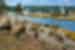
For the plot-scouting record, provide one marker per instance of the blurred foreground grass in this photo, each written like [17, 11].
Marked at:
[11, 43]
[28, 43]
[7, 42]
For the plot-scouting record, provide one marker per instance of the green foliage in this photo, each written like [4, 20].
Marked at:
[2, 6]
[34, 29]
[18, 8]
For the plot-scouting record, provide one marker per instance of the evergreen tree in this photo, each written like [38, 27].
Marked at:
[2, 7]
[56, 12]
[18, 9]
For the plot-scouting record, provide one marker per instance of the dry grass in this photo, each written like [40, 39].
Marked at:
[29, 43]
[11, 43]
[70, 18]
[6, 42]
[70, 33]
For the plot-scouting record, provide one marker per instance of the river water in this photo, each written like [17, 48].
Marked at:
[67, 25]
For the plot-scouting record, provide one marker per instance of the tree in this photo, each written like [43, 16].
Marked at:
[2, 7]
[18, 9]
[67, 12]
[56, 12]
[45, 9]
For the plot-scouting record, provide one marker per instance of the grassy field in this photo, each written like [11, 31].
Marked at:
[69, 18]
[8, 42]
[11, 43]
[70, 34]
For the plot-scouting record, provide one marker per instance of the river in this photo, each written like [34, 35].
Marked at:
[67, 25]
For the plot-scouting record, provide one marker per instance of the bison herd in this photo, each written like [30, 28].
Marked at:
[41, 33]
